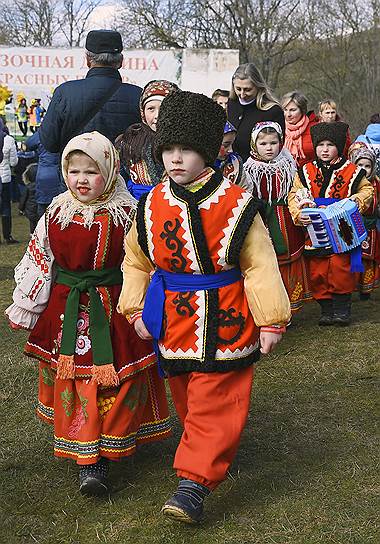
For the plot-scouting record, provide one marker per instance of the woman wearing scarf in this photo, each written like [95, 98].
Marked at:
[271, 170]
[298, 124]
[98, 382]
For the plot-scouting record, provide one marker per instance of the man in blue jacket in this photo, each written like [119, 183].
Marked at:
[99, 102]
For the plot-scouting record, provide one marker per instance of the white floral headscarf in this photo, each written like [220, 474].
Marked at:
[115, 197]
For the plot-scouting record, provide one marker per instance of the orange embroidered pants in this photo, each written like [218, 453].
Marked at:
[331, 275]
[213, 409]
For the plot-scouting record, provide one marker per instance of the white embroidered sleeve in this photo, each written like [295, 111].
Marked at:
[34, 276]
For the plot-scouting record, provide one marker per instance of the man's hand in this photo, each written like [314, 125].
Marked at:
[141, 330]
[268, 341]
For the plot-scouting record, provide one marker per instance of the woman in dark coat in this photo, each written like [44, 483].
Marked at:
[250, 102]
[48, 180]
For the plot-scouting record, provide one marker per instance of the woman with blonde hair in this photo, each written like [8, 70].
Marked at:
[298, 123]
[251, 101]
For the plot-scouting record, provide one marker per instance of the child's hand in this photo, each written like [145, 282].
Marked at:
[268, 341]
[141, 330]
[304, 220]
[16, 327]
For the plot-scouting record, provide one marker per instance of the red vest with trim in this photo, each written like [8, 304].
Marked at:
[201, 233]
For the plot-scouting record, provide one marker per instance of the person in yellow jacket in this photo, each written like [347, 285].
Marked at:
[215, 300]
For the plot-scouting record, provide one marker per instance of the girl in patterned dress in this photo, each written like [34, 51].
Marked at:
[98, 382]
[270, 170]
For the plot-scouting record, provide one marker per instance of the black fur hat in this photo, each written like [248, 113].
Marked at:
[334, 132]
[192, 120]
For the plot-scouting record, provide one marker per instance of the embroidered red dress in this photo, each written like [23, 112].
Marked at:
[289, 242]
[89, 421]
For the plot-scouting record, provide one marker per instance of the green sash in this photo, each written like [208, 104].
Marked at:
[274, 227]
[86, 282]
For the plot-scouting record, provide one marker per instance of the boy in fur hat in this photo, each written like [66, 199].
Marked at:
[216, 282]
[330, 178]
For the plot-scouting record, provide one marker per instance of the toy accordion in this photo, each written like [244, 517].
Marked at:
[339, 226]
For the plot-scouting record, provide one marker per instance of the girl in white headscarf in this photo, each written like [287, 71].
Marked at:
[270, 170]
[98, 382]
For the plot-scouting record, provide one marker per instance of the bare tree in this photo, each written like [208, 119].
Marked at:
[31, 23]
[263, 30]
[75, 18]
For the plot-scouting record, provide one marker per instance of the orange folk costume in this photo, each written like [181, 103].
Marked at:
[210, 337]
[330, 273]
[93, 418]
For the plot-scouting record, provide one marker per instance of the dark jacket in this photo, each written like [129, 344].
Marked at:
[244, 119]
[48, 180]
[28, 203]
[75, 102]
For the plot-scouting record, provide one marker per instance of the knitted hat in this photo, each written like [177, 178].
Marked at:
[359, 150]
[157, 89]
[192, 120]
[334, 132]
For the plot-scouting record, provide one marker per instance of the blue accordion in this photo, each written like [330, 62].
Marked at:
[339, 226]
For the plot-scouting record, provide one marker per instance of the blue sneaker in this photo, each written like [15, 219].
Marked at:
[186, 504]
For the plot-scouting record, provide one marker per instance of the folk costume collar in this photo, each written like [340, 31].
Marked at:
[208, 181]
[280, 170]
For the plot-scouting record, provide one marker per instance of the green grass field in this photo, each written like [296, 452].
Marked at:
[307, 470]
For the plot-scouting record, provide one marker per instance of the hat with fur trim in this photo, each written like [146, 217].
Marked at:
[334, 132]
[192, 120]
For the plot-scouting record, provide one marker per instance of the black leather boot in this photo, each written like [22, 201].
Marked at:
[6, 223]
[342, 309]
[326, 318]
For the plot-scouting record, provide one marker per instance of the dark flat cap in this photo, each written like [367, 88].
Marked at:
[104, 41]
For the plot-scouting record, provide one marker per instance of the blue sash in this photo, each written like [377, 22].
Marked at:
[137, 190]
[356, 253]
[162, 280]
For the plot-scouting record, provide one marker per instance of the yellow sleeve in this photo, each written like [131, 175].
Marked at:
[136, 275]
[293, 208]
[364, 195]
[266, 294]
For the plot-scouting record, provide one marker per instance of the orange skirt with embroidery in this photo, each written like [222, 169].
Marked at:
[296, 281]
[370, 278]
[90, 422]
